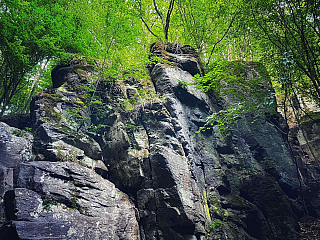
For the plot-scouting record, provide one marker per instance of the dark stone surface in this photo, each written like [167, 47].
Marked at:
[14, 149]
[221, 166]
[20, 121]
[305, 141]
[102, 171]
[68, 73]
[6, 184]
[68, 201]
[61, 74]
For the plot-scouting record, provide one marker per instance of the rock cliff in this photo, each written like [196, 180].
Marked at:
[107, 161]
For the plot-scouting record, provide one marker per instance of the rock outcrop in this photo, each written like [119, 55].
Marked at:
[122, 160]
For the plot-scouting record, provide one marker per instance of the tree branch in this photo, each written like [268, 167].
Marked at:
[166, 27]
[158, 12]
[224, 35]
[149, 29]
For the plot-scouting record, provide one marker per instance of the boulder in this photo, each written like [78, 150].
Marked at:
[68, 201]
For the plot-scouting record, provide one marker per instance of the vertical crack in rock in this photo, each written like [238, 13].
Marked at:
[9, 205]
[150, 173]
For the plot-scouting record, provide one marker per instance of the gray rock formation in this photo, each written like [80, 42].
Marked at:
[96, 169]
[73, 200]
[15, 148]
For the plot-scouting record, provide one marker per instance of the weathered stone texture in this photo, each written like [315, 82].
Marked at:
[95, 170]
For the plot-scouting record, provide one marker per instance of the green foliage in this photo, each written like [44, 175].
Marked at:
[116, 35]
[74, 204]
[47, 203]
[221, 76]
[182, 84]
[273, 29]
[131, 127]
[21, 133]
[100, 127]
[216, 224]
[28, 129]
[76, 115]
[43, 119]
[223, 120]
[204, 22]
[59, 30]
[17, 132]
[31, 31]
[229, 80]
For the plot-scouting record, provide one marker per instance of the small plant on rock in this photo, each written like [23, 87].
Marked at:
[47, 203]
[216, 224]
[17, 132]
[28, 129]
[182, 84]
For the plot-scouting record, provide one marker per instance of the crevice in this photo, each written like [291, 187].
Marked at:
[146, 130]
[8, 232]
[203, 172]
[9, 198]
[151, 178]
[245, 195]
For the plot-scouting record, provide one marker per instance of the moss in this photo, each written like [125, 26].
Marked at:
[62, 88]
[54, 97]
[71, 133]
[309, 119]
[73, 203]
[216, 224]
[78, 101]
[236, 201]
[50, 112]
[64, 128]
[215, 207]
[49, 101]
[83, 67]
[131, 127]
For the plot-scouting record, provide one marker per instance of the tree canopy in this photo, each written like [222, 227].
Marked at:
[36, 34]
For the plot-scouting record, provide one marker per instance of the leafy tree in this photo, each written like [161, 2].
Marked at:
[246, 93]
[118, 33]
[155, 14]
[279, 27]
[32, 30]
[206, 23]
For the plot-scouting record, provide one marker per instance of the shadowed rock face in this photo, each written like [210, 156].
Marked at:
[99, 171]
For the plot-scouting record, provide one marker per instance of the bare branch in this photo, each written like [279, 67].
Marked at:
[149, 29]
[166, 27]
[224, 35]
[158, 12]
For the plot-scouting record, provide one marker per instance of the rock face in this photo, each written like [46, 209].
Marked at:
[73, 200]
[53, 184]
[122, 160]
[305, 141]
[15, 148]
